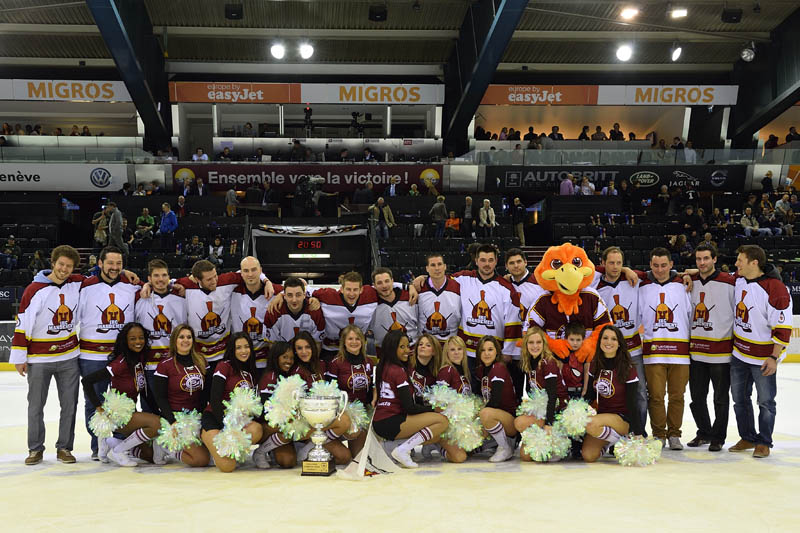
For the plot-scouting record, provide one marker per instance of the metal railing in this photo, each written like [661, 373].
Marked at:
[82, 154]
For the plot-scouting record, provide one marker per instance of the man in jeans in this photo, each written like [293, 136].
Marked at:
[518, 215]
[762, 327]
[45, 345]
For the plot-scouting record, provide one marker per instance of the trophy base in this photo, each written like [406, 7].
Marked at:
[318, 468]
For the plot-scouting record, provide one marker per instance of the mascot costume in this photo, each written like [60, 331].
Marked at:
[566, 272]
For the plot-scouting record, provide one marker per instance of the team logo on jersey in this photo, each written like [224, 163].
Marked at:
[702, 315]
[533, 385]
[481, 313]
[621, 316]
[419, 383]
[664, 316]
[112, 317]
[62, 318]
[395, 324]
[486, 391]
[253, 326]
[742, 316]
[210, 323]
[436, 324]
[246, 382]
[191, 382]
[781, 317]
[465, 388]
[358, 380]
[522, 312]
[139, 378]
[162, 326]
[604, 384]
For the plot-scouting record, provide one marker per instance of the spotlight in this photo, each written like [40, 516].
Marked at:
[676, 51]
[679, 12]
[306, 50]
[624, 52]
[629, 12]
[277, 50]
[748, 53]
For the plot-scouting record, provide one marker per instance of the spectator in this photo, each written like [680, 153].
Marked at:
[782, 206]
[394, 188]
[216, 251]
[514, 135]
[749, 224]
[708, 241]
[269, 196]
[253, 194]
[765, 205]
[769, 221]
[469, 217]
[555, 135]
[100, 223]
[676, 144]
[37, 130]
[167, 227]
[369, 155]
[615, 134]
[625, 195]
[662, 200]
[599, 134]
[567, 186]
[680, 249]
[486, 219]
[180, 209]
[127, 233]
[452, 226]
[788, 222]
[247, 130]
[717, 221]
[344, 155]
[75, 132]
[609, 190]
[584, 136]
[225, 155]
[199, 155]
[690, 222]
[115, 228]
[518, 216]
[3, 141]
[631, 136]
[38, 262]
[139, 190]
[187, 188]
[530, 136]
[413, 190]
[259, 155]
[86, 132]
[92, 268]
[381, 214]
[231, 201]
[365, 195]
[298, 151]
[587, 187]
[503, 134]
[689, 153]
[795, 202]
[438, 214]
[772, 142]
[194, 250]
[752, 204]
[767, 186]
[200, 188]
[793, 135]
[7, 129]
[126, 190]
[145, 221]
[10, 253]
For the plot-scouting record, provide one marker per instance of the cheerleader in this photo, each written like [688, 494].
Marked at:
[126, 372]
[425, 361]
[397, 416]
[454, 370]
[613, 383]
[497, 390]
[353, 372]
[311, 368]
[179, 384]
[542, 371]
[280, 362]
[237, 369]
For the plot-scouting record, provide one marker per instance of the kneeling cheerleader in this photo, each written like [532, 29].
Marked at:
[497, 390]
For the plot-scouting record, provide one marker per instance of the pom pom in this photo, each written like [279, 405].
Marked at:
[324, 388]
[359, 418]
[466, 434]
[118, 407]
[282, 407]
[295, 429]
[534, 405]
[101, 425]
[542, 446]
[233, 443]
[465, 430]
[245, 401]
[181, 434]
[440, 396]
[637, 451]
[573, 419]
[560, 443]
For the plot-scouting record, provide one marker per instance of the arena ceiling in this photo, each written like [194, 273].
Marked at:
[416, 39]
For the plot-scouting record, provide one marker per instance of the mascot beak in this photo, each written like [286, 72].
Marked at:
[568, 277]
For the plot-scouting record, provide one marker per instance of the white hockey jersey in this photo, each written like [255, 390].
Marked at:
[762, 317]
[160, 314]
[339, 313]
[664, 313]
[439, 311]
[283, 325]
[712, 318]
[247, 314]
[394, 315]
[622, 302]
[104, 310]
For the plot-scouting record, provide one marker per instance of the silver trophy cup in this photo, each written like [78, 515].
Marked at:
[319, 412]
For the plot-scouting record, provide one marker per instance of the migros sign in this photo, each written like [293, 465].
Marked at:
[380, 94]
[67, 90]
[674, 95]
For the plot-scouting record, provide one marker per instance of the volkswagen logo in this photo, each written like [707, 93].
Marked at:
[100, 177]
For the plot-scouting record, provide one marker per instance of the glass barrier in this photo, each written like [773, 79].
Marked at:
[55, 154]
[650, 156]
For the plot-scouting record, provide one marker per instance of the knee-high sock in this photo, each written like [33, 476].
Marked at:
[609, 435]
[332, 435]
[134, 439]
[416, 439]
[274, 441]
[499, 435]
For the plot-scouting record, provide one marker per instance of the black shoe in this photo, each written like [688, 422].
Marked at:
[697, 441]
[715, 446]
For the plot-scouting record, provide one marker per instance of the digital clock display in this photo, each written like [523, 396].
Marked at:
[309, 244]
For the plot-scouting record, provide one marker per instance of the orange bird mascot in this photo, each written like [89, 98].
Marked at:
[566, 272]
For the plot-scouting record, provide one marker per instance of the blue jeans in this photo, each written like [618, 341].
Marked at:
[743, 376]
[641, 392]
[90, 367]
[383, 230]
[439, 229]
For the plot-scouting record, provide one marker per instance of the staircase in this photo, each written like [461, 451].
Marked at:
[534, 254]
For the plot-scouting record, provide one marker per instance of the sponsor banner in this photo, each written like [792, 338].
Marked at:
[232, 93]
[684, 95]
[540, 95]
[702, 177]
[64, 90]
[371, 93]
[286, 177]
[62, 177]
[264, 230]
[6, 334]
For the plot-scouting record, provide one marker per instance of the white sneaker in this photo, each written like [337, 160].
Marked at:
[302, 453]
[260, 458]
[675, 443]
[404, 458]
[122, 459]
[102, 450]
[503, 453]
[160, 454]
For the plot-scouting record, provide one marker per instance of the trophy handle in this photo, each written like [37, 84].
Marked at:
[342, 403]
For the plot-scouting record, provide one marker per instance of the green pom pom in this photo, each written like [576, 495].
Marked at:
[118, 407]
[295, 429]
[574, 417]
[465, 430]
[325, 388]
[282, 406]
[534, 405]
[359, 418]
[233, 443]
[637, 451]
[244, 400]
[101, 425]
[181, 434]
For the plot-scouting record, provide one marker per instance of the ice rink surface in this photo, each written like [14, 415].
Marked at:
[690, 490]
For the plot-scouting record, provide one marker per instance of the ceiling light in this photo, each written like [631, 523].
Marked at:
[277, 50]
[624, 52]
[676, 51]
[748, 53]
[679, 12]
[306, 50]
[629, 12]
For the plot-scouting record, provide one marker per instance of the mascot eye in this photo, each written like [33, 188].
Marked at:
[555, 264]
[577, 262]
